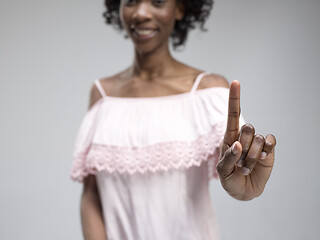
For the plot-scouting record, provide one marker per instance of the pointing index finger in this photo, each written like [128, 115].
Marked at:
[232, 132]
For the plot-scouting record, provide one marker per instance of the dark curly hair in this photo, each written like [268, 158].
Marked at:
[196, 13]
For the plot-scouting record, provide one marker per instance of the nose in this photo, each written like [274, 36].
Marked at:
[142, 11]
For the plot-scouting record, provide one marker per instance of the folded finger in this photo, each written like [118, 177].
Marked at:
[270, 143]
[246, 136]
[253, 154]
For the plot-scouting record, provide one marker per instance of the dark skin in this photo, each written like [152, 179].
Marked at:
[246, 159]
[91, 211]
[154, 73]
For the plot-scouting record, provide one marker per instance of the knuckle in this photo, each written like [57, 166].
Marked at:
[269, 145]
[233, 114]
[271, 138]
[219, 167]
[259, 138]
[247, 128]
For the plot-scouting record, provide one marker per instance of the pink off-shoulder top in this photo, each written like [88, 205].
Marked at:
[153, 158]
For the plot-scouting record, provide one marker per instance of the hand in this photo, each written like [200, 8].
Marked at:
[246, 159]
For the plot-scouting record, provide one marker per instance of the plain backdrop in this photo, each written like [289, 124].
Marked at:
[52, 51]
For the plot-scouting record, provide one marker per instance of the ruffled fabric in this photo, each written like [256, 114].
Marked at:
[135, 135]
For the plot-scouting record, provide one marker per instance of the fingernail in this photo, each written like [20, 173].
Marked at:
[245, 171]
[263, 155]
[239, 163]
[234, 149]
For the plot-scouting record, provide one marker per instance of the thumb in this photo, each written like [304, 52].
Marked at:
[228, 161]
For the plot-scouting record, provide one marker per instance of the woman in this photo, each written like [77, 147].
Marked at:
[154, 130]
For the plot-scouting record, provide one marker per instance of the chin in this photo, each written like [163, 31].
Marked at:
[149, 47]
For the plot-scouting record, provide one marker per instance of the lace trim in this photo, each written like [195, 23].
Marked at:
[161, 156]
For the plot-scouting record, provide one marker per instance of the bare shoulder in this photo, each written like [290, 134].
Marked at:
[107, 84]
[213, 80]
[94, 95]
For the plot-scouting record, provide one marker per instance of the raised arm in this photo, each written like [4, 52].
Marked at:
[247, 158]
[91, 211]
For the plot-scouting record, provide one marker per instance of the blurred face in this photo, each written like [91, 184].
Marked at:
[149, 23]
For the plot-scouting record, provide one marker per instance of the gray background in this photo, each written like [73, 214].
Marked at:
[50, 53]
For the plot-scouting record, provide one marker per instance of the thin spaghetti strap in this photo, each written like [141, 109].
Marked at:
[197, 81]
[98, 85]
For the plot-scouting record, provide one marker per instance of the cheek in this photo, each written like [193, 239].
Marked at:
[167, 18]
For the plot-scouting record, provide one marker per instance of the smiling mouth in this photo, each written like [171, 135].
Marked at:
[144, 33]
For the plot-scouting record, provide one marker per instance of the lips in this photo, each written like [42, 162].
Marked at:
[143, 34]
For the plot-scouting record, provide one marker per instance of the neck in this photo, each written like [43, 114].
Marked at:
[147, 66]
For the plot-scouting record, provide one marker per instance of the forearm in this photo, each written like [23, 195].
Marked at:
[91, 212]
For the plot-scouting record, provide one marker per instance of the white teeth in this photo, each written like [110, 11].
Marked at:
[144, 31]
